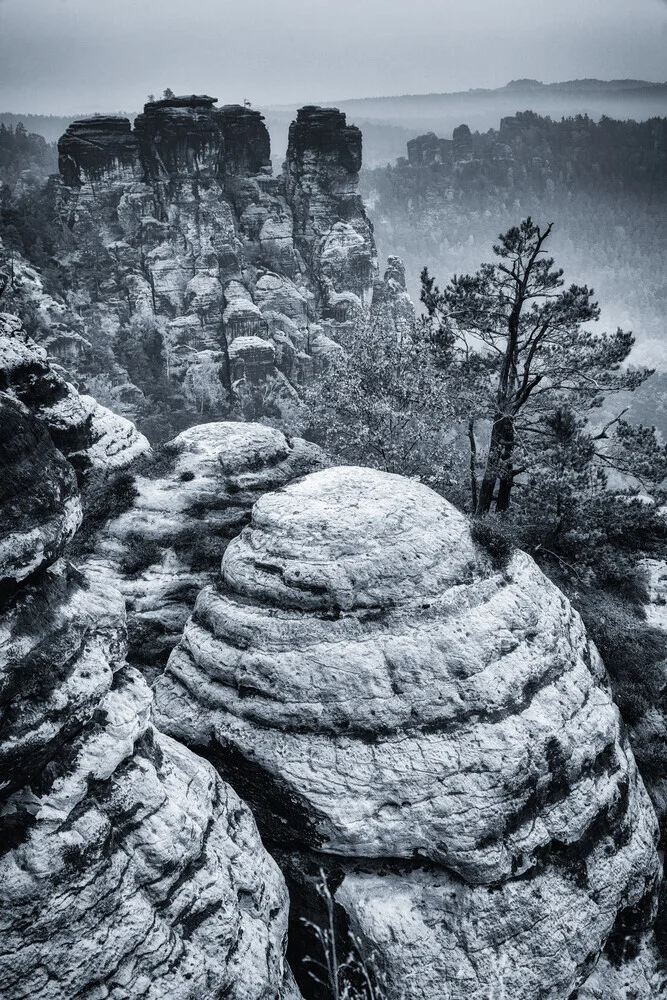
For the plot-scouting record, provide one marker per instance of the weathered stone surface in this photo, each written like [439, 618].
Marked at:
[127, 867]
[200, 245]
[377, 688]
[170, 541]
[331, 229]
[428, 149]
[39, 499]
[436, 936]
[89, 435]
[392, 306]
[92, 148]
[252, 359]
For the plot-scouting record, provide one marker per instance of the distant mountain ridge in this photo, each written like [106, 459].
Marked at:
[388, 122]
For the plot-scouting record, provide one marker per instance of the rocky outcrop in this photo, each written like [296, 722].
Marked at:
[437, 728]
[462, 142]
[39, 498]
[127, 867]
[321, 177]
[96, 148]
[89, 435]
[184, 510]
[392, 306]
[198, 245]
[425, 150]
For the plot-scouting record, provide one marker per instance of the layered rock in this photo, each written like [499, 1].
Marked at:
[436, 727]
[94, 148]
[39, 498]
[185, 509]
[127, 867]
[89, 435]
[195, 244]
[321, 177]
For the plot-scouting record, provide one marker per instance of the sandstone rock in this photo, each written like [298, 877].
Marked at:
[170, 541]
[392, 306]
[462, 143]
[127, 867]
[252, 359]
[183, 215]
[436, 936]
[331, 229]
[89, 435]
[425, 150]
[39, 499]
[95, 147]
[378, 689]
[242, 317]
[278, 294]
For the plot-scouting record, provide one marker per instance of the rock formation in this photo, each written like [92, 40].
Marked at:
[89, 435]
[183, 511]
[128, 868]
[431, 727]
[200, 247]
[425, 150]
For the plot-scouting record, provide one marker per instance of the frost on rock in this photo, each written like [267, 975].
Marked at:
[170, 541]
[128, 868]
[438, 729]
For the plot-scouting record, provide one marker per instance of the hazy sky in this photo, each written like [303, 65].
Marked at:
[67, 56]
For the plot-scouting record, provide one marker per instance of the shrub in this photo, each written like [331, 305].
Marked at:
[104, 498]
[140, 553]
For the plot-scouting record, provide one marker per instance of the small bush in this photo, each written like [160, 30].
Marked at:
[104, 498]
[495, 538]
[140, 554]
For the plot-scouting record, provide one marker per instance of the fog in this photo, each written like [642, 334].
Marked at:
[67, 56]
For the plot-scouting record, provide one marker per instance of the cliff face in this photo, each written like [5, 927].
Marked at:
[435, 730]
[89, 435]
[127, 867]
[198, 249]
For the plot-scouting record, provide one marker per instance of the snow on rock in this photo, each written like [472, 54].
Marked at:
[170, 541]
[39, 499]
[128, 868]
[378, 689]
[88, 434]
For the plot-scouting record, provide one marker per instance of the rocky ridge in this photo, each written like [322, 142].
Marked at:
[128, 868]
[429, 727]
[184, 509]
[201, 253]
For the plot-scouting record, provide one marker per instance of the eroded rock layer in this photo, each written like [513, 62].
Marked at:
[184, 510]
[377, 688]
[199, 245]
[127, 867]
[39, 498]
[89, 435]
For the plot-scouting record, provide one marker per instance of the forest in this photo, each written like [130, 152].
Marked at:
[602, 184]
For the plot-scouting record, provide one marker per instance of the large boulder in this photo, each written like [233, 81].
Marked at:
[183, 510]
[127, 867]
[438, 725]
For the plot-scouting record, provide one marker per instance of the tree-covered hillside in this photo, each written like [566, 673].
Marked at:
[603, 184]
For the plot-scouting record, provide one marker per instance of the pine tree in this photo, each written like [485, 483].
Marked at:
[524, 340]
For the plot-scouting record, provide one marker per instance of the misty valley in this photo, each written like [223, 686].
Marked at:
[333, 548]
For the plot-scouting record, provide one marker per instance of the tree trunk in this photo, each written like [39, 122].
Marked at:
[492, 468]
[474, 489]
[506, 471]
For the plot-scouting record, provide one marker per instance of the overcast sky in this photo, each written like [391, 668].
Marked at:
[67, 56]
